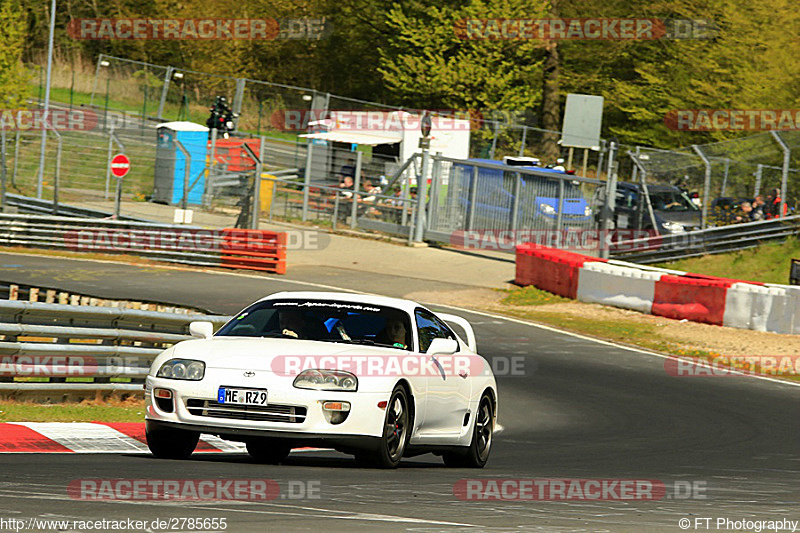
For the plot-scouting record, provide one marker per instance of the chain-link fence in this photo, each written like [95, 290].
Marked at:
[732, 181]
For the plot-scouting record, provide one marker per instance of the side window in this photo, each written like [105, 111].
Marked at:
[429, 328]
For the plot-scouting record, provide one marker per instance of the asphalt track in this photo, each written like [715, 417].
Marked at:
[583, 410]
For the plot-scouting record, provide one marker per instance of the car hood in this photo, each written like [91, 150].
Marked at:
[249, 353]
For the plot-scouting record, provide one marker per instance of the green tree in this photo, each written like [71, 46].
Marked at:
[13, 75]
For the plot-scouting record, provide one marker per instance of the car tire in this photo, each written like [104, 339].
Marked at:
[268, 451]
[171, 443]
[397, 424]
[477, 453]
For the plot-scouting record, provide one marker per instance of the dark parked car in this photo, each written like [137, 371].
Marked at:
[673, 210]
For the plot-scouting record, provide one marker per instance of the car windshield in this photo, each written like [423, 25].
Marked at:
[671, 201]
[322, 320]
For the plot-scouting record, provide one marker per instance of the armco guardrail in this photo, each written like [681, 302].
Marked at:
[54, 347]
[39, 206]
[668, 293]
[708, 241]
[229, 248]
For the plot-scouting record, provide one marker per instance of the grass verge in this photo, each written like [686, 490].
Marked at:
[768, 263]
[129, 410]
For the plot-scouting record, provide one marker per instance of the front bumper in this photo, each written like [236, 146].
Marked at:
[365, 418]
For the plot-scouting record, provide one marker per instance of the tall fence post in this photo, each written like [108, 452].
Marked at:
[515, 202]
[307, 179]
[57, 177]
[473, 194]
[164, 91]
[108, 162]
[16, 153]
[433, 203]
[560, 214]
[524, 138]
[2, 164]
[607, 213]
[237, 102]
[256, 205]
[725, 177]
[706, 185]
[759, 174]
[422, 192]
[356, 191]
[187, 170]
[787, 156]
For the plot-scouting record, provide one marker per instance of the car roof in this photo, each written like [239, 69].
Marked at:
[385, 301]
[651, 187]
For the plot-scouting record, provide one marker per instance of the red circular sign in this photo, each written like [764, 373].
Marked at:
[120, 165]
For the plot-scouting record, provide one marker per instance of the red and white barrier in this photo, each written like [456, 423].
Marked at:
[618, 286]
[668, 293]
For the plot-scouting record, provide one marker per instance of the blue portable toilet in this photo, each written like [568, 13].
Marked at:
[170, 162]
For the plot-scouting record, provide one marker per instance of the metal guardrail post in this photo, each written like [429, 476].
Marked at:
[787, 156]
[186, 171]
[356, 192]
[307, 179]
[706, 185]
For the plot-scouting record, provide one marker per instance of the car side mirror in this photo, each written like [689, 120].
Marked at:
[201, 329]
[442, 346]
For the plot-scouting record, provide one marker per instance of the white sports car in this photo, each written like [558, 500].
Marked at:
[380, 378]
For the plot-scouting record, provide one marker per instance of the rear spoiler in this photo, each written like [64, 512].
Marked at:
[464, 325]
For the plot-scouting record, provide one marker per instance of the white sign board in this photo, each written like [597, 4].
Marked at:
[583, 118]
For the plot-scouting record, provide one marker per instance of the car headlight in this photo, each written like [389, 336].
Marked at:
[547, 209]
[331, 380]
[186, 369]
[587, 211]
[673, 227]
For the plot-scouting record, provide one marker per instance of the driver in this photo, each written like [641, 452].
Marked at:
[396, 332]
[291, 322]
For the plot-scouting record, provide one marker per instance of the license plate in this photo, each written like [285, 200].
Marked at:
[242, 396]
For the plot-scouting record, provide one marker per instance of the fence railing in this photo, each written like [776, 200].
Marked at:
[54, 347]
[709, 241]
[227, 248]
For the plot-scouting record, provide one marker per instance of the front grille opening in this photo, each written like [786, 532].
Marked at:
[290, 414]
